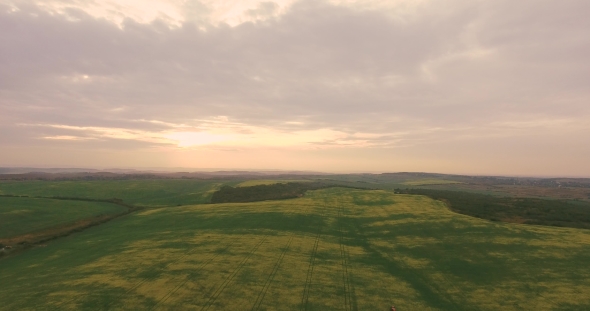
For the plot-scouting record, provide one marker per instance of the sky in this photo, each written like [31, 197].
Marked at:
[492, 87]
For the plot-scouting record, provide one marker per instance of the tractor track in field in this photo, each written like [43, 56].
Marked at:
[348, 287]
[227, 281]
[145, 279]
[271, 277]
[308, 279]
[198, 269]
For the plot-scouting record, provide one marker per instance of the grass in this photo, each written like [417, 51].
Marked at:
[333, 249]
[258, 182]
[24, 215]
[152, 193]
[425, 182]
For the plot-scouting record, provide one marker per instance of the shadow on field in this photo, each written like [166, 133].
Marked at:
[376, 258]
[357, 235]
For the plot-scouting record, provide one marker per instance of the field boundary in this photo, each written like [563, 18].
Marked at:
[25, 241]
[138, 284]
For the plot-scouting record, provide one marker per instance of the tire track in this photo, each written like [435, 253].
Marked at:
[198, 269]
[266, 286]
[351, 288]
[145, 279]
[228, 280]
[345, 280]
[349, 295]
[307, 288]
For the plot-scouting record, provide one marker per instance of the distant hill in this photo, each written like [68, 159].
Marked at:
[24, 173]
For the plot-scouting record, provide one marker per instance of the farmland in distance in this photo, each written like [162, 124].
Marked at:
[151, 192]
[333, 249]
[23, 215]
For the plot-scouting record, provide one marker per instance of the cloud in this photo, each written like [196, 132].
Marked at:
[295, 74]
[218, 132]
[66, 137]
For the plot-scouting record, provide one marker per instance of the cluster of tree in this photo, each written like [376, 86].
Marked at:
[533, 211]
[542, 182]
[228, 194]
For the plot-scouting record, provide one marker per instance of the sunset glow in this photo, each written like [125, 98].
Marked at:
[469, 87]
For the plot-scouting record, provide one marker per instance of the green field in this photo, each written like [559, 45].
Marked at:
[155, 192]
[257, 182]
[333, 249]
[426, 182]
[23, 215]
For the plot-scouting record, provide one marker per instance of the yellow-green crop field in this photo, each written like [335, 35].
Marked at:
[258, 182]
[333, 249]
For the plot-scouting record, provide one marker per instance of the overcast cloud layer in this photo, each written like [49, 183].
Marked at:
[477, 87]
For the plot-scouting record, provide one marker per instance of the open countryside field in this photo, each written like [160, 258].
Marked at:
[565, 189]
[23, 215]
[425, 182]
[333, 249]
[256, 182]
[153, 192]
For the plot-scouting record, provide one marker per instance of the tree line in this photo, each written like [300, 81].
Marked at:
[534, 211]
[228, 194]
